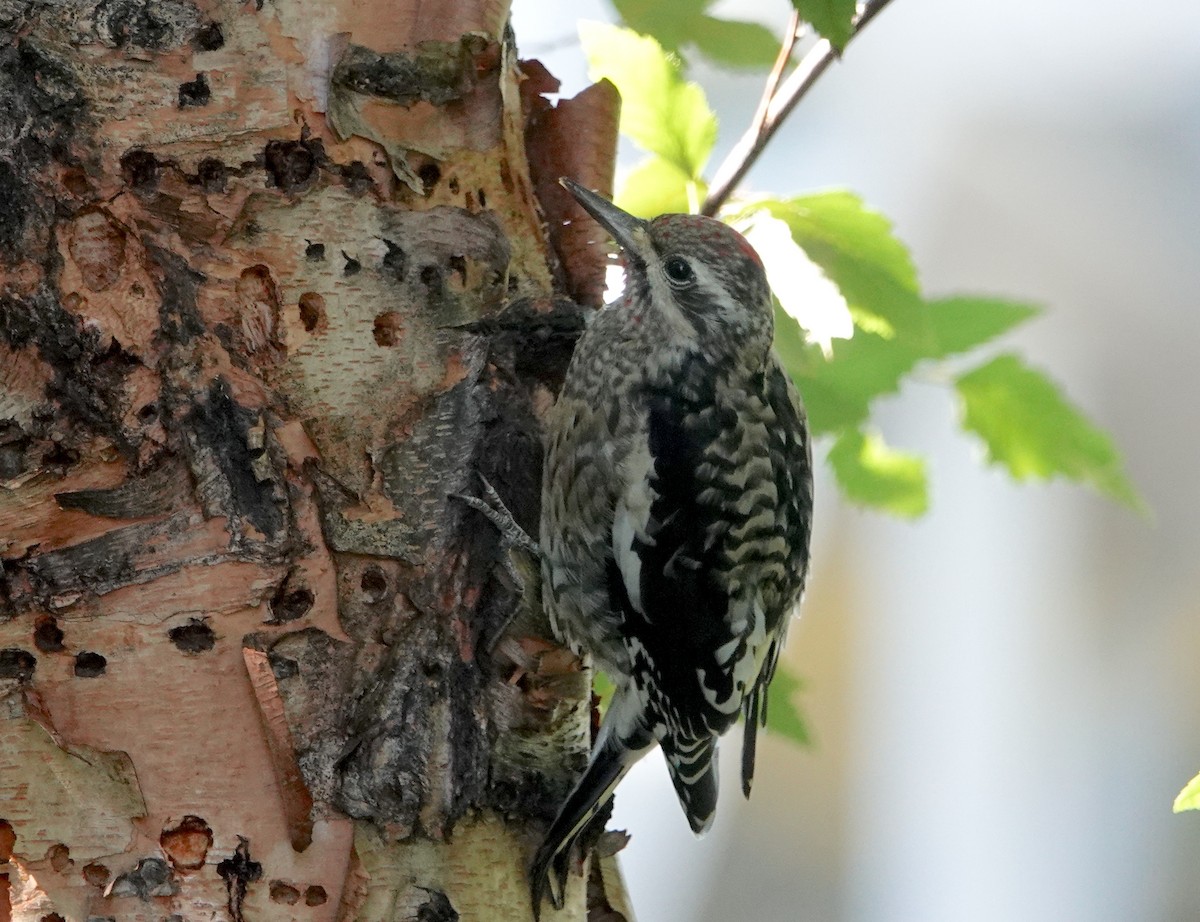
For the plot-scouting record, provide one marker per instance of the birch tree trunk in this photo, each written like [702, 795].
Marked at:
[277, 279]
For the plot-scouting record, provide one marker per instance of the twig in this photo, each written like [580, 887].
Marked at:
[748, 148]
[777, 71]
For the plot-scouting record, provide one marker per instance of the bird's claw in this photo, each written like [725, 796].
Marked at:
[513, 538]
[494, 510]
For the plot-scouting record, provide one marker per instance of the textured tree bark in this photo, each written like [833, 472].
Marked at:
[276, 282]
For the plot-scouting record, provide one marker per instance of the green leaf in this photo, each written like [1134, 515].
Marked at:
[832, 18]
[838, 390]
[798, 356]
[1189, 797]
[660, 111]
[656, 186]
[1030, 429]
[748, 45]
[668, 23]
[681, 23]
[602, 688]
[783, 714]
[871, 473]
[855, 248]
[962, 323]
[803, 290]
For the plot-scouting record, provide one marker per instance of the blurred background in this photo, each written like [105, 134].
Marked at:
[1003, 694]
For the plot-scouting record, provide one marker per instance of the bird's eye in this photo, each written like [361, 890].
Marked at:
[678, 270]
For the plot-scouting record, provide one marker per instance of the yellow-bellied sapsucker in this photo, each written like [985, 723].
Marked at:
[676, 511]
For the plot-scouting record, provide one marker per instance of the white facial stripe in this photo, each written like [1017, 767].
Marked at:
[724, 311]
[663, 296]
[706, 280]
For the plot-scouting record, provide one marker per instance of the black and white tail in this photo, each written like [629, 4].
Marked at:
[754, 710]
[693, 766]
[621, 743]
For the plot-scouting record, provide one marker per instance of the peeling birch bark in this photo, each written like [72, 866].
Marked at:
[276, 282]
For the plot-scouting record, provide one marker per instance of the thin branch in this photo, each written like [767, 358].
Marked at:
[777, 71]
[748, 148]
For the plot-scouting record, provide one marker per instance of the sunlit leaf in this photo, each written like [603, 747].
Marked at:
[873, 474]
[798, 355]
[660, 111]
[961, 323]
[656, 186]
[1189, 797]
[783, 713]
[838, 390]
[803, 290]
[1029, 427]
[856, 249]
[832, 18]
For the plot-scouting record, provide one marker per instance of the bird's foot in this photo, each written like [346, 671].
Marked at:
[520, 555]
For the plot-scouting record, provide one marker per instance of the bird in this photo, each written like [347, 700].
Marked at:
[677, 502]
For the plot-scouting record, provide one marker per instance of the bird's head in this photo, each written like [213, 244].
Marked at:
[700, 276]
